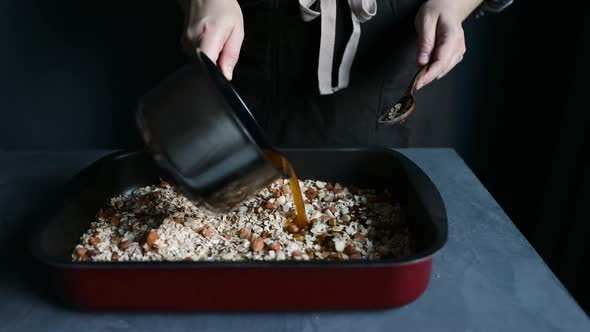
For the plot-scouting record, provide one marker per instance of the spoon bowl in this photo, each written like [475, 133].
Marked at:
[405, 106]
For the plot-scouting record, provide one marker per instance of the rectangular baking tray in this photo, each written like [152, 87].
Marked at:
[244, 286]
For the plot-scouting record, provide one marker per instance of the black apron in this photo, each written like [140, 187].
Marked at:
[277, 74]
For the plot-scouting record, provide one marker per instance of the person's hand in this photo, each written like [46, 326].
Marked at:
[217, 28]
[441, 41]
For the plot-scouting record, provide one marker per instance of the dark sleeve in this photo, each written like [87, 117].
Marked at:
[492, 6]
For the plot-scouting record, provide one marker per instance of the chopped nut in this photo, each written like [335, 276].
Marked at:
[292, 228]
[227, 236]
[152, 237]
[269, 205]
[164, 184]
[311, 194]
[329, 187]
[296, 253]
[207, 232]
[345, 218]
[275, 246]
[116, 240]
[178, 220]
[125, 244]
[115, 256]
[115, 220]
[257, 245]
[359, 236]
[264, 235]
[102, 215]
[94, 241]
[81, 252]
[93, 252]
[350, 250]
[245, 233]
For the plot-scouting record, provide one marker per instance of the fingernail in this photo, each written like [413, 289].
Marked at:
[419, 85]
[423, 57]
[229, 70]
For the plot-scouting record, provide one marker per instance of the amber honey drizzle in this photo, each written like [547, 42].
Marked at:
[281, 163]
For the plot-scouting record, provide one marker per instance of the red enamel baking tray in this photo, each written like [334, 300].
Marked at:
[244, 286]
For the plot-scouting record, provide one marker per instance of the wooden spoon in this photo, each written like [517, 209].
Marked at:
[405, 105]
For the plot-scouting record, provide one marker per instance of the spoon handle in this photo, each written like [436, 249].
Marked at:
[419, 74]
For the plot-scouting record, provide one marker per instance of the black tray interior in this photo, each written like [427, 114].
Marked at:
[123, 172]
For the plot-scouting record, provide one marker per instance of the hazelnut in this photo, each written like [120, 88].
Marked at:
[81, 252]
[152, 237]
[245, 233]
[359, 237]
[350, 250]
[311, 194]
[292, 228]
[115, 220]
[275, 246]
[125, 245]
[207, 232]
[257, 245]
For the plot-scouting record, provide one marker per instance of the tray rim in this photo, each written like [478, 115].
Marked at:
[71, 187]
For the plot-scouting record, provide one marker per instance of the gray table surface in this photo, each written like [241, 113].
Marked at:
[486, 278]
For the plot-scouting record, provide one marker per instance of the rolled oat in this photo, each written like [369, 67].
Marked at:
[156, 223]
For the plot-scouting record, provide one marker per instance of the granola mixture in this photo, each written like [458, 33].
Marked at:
[156, 223]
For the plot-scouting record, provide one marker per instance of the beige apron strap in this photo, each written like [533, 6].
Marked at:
[361, 11]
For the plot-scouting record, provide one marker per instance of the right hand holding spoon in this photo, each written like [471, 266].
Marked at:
[441, 40]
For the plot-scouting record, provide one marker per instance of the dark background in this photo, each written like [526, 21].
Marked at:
[71, 74]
